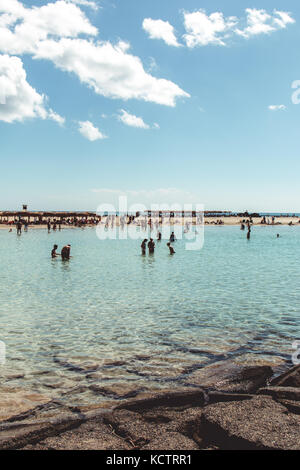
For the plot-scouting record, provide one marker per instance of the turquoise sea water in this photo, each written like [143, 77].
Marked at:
[112, 318]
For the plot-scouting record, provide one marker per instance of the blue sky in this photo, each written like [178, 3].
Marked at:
[99, 98]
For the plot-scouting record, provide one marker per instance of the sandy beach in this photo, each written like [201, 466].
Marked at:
[178, 221]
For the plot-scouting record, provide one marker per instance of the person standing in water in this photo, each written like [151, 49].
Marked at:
[158, 236]
[65, 252]
[19, 227]
[248, 233]
[53, 252]
[143, 246]
[151, 246]
[172, 237]
[172, 251]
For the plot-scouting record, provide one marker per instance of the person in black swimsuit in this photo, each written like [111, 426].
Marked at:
[53, 252]
[151, 246]
[65, 252]
[143, 246]
[172, 251]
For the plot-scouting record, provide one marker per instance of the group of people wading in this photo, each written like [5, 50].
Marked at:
[65, 252]
[248, 227]
[151, 244]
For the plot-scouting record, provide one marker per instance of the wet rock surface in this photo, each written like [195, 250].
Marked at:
[291, 378]
[14, 402]
[230, 407]
[259, 423]
[231, 377]
[288, 393]
[91, 435]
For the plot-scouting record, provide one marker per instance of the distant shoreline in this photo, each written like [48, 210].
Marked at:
[175, 221]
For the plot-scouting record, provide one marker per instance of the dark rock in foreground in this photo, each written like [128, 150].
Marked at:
[174, 399]
[259, 423]
[234, 410]
[231, 377]
[90, 435]
[291, 378]
[288, 393]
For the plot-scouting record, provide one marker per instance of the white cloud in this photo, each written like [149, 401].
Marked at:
[18, 100]
[261, 22]
[51, 32]
[109, 70]
[284, 19]
[13, 7]
[132, 120]
[277, 107]
[85, 3]
[21, 29]
[152, 64]
[56, 117]
[159, 29]
[258, 22]
[203, 29]
[89, 131]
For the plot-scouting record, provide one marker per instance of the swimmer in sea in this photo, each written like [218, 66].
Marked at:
[172, 237]
[151, 246]
[172, 251]
[19, 227]
[53, 252]
[143, 246]
[65, 252]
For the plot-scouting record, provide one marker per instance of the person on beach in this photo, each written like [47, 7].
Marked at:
[65, 252]
[172, 251]
[151, 246]
[143, 246]
[53, 252]
[48, 226]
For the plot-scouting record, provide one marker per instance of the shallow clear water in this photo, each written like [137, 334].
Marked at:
[112, 318]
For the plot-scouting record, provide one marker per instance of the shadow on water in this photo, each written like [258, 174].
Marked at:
[65, 265]
[58, 263]
[148, 259]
